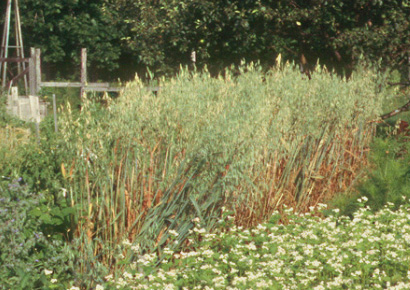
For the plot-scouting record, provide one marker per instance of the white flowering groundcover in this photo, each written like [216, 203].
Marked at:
[370, 251]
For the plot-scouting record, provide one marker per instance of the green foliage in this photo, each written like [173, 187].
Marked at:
[34, 252]
[14, 133]
[387, 180]
[162, 34]
[390, 182]
[150, 163]
[376, 29]
[39, 165]
[61, 28]
[368, 252]
[63, 96]
[29, 257]
[147, 164]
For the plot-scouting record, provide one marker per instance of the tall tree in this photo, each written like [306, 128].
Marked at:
[161, 34]
[62, 27]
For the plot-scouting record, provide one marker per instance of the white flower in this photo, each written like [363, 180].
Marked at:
[126, 242]
[174, 233]
[200, 231]
[219, 281]
[99, 287]
[251, 246]
[47, 272]
[316, 263]
[53, 281]
[233, 270]
[319, 287]
[261, 227]
[208, 253]
[168, 251]
[135, 248]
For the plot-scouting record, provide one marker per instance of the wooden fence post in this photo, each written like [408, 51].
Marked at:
[38, 70]
[32, 72]
[13, 101]
[83, 70]
[408, 59]
[55, 113]
[38, 132]
[35, 108]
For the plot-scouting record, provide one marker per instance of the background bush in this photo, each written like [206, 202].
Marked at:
[26, 252]
[124, 37]
[387, 179]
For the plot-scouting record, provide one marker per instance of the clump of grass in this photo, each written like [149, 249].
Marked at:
[148, 164]
[14, 134]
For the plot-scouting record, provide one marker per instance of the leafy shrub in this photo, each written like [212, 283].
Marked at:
[29, 258]
[387, 180]
[38, 163]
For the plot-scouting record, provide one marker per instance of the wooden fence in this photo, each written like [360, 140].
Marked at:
[36, 82]
[30, 107]
[33, 70]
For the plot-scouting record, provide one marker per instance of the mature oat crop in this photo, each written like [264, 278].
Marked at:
[149, 163]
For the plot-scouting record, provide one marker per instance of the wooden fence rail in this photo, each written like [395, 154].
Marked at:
[30, 107]
[36, 82]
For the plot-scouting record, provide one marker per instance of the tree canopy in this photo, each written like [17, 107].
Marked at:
[126, 36]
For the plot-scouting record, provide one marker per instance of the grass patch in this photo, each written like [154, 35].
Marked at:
[14, 135]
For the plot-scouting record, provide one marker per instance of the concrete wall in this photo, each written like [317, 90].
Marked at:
[29, 108]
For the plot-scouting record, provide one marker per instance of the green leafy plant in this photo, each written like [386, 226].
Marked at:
[368, 252]
[387, 180]
[38, 164]
[29, 257]
[14, 134]
[162, 34]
